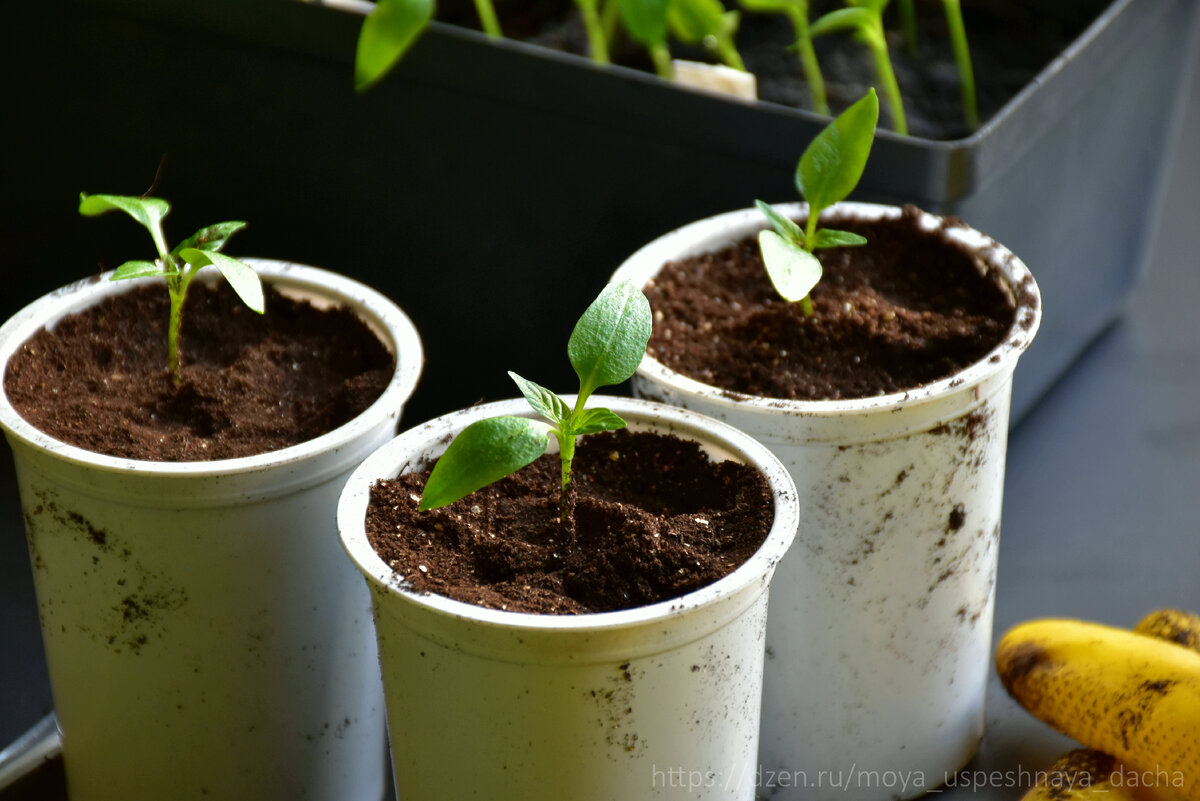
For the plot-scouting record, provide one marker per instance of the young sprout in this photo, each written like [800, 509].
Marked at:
[797, 12]
[865, 19]
[393, 26]
[646, 21]
[962, 57]
[605, 348]
[707, 22]
[595, 27]
[828, 171]
[180, 264]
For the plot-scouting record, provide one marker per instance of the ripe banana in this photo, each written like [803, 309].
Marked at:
[1089, 775]
[1129, 695]
[1173, 625]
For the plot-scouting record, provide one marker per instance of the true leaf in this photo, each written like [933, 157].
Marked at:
[793, 270]
[610, 338]
[485, 451]
[593, 421]
[543, 401]
[241, 277]
[212, 237]
[829, 238]
[831, 165]
[783, 225]
[645, 19]
[386, 35]
[146, 210]
[136, 269]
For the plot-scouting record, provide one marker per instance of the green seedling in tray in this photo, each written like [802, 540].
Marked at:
[797, 12]
[707, 22]
[864, 18]
[829, 169]
[605, 349]
[180, 264]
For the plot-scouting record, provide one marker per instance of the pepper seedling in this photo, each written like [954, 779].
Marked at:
[797, 12]
[646, 21]
[829, 169]
[180, 264]
[962, 57]
[865, 19]
[605, 348]
[707, 22]
[393, 27]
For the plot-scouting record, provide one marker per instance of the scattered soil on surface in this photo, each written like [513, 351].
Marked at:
[928, 79]
[653, 519]
[250, 383]
[903, 310]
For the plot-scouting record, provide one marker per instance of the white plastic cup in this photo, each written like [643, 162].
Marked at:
[204, 635]
[661, 701]
[881, 615]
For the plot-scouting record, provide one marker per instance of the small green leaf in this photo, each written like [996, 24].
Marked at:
[692, 20]
[844, 19]
[593, 421]
[793, 270]
[149, 211]
[136, 269]
[783, 225]
[241, 276]
[646, 20]
[609, 340]
[769, 6]
[829, 238]
[543, 401]
[483, 452]
[387, 34]
[834, 161]
[212, 237]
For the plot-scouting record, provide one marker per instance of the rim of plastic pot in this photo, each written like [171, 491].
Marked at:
[321, 286]
[408, 451]
[712, 233]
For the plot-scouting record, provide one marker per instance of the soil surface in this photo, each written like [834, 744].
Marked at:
[1011, 41]
[901, 311]
[250, 383]
[653, 519]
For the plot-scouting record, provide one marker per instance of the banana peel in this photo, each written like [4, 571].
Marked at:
[1130, 695]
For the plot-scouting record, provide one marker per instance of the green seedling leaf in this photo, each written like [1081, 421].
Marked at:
[484, 452]
[241, 277]
[136, 269]
[149, 211]
[833, 162]
[829, 238]
[543, 401]
[646, 20]
[610, 338]
[212, 237]
[387, 34]
[605, 348]
[692, 20]
[843, 19]
[783, 225]
[792, 270]
[593, 421]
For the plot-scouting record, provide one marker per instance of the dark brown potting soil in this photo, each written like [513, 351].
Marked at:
[250, 383]
[1010, 40]
[653, 519]
[903, 310]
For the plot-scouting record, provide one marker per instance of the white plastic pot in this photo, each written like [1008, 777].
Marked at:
[881, 616]
[661, 701]
[205, 637]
